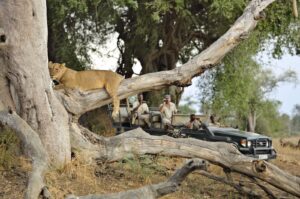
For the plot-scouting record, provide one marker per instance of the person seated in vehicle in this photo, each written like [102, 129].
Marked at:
[167, 109]
[194, 123]
[213, 121]
[140, 111]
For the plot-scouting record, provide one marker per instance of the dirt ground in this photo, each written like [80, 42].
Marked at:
[133, 172]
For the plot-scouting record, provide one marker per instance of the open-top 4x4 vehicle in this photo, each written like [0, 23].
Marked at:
[248, 143]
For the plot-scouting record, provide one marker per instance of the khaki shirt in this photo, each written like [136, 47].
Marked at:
[168, 111]
[142, 109]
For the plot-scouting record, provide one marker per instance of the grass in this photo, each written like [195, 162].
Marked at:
[13, 166]
[9, 148]
[288, 158]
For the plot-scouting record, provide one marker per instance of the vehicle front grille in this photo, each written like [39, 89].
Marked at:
[258, 152]
[259, 143]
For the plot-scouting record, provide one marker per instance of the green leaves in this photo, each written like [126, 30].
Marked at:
[228, 8]
[239, 86]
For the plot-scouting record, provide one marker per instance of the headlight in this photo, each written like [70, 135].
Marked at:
[244, 142]
[249, 143]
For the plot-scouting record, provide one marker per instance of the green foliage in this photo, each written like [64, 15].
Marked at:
[76, 28]
[237, 89]
[270, 121]
[228, 8]
[185, 109]
[281, 27]
[161, 33]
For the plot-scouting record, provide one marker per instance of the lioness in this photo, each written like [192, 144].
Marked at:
[87, 80]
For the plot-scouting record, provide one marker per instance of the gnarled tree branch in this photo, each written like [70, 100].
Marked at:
[78, 103]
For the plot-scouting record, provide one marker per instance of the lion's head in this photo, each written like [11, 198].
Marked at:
[56, 70]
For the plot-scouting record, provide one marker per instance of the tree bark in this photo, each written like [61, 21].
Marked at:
[26, 82]
[295, 8]
[251, 121]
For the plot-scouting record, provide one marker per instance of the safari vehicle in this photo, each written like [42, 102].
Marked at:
[250, 144]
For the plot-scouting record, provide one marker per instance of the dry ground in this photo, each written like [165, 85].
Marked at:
[133, 172]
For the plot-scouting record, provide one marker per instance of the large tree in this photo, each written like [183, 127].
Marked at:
[46, 121]
[159, 34]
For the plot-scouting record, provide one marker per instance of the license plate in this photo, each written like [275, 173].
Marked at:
[262, 157]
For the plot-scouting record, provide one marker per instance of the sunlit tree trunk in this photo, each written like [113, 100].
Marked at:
[25, 82]
[251, 121]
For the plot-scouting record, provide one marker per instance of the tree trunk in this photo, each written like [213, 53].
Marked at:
[26, 88]
[251, 121]
[26, 84]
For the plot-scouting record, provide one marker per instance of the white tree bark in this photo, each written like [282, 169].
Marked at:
[25, 82]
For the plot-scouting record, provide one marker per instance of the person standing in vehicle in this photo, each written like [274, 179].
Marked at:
[194, 123]
[140, 111]
[167, 109]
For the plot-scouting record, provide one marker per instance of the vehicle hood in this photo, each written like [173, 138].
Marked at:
[236, 132]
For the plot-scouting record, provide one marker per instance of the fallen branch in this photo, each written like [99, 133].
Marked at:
[241, 189]
[156, 190]
[222, 154]
[78, 103]
[34, 149]
[266, 189]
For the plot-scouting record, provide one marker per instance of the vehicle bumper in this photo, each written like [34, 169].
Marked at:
[260, 153]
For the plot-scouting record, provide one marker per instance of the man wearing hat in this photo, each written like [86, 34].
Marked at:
[167, 110]
[140, 111]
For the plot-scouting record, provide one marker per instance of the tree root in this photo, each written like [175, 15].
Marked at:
[33, 148]
[156, 190]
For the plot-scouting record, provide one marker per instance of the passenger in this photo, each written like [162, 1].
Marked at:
[213, 121]
[194, 123]
[167, 109]
[140, 111]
